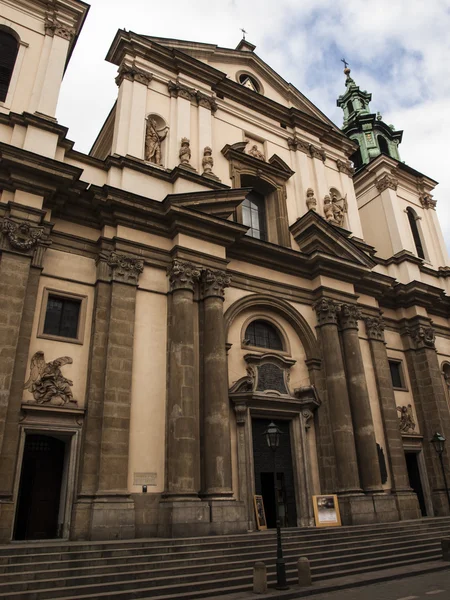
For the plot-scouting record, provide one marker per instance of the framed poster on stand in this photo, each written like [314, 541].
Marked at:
[260, 513]
[326, 511]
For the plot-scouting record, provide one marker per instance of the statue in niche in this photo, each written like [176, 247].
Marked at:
[407, 424]
[256, 153]
[47, 383]
[153, 140]
[311, 202]
[185, 152]
[328, 209]
[207, 161]
[335, 208]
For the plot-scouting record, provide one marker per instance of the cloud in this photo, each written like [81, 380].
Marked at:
[397, 51]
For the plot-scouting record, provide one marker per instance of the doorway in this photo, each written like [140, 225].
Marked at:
[264, 474]
[40, 488]
[415, 481]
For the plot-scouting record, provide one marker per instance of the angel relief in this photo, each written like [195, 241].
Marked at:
[47, 383]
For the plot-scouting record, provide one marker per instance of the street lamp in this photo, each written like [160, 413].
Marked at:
[438, 442]
[272, 434]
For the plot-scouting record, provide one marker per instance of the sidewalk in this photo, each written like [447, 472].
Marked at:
[339, 583]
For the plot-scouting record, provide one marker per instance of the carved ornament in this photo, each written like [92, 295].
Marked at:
[406, 419]
[125, 269]
[241, 413]
[296, 143]
[178, 90]
[206, 101]
[207, 162]
[345, 167]
[46, 382]
[311, 201]
[349, 316]
[53, 26]
[256, 153]
[317, 153]
[427, 201]
[182, 275]
[375, 328]
[386, 182]
[133, 73]
[423, 336]
[327, 311]
[21, 236]
[214, 283]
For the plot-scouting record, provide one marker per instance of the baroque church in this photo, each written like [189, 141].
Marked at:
[225, 256]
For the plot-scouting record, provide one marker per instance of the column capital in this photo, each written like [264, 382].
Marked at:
[327, 311]
[133, 73]
[183, 275]
[214, 283]
[375, 328]
[177, 89]
[423, 336]
[385, 182]
[124, 269]
[349, 316]
[24, 238]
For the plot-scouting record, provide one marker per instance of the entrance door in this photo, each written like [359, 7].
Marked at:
[414, 479]
[264, 480]
[40, 488]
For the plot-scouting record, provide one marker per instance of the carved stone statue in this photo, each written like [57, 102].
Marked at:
[311, 202]
[153, 140]
[47, 383]
[185, 152]
[328, 209]
[406, 424]
[256, 153]
[335, 208]
[207, 161]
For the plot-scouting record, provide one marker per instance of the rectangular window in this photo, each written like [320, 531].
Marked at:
[62, 316]
[398, 380]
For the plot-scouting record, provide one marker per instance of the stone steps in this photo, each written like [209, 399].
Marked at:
[203, 567]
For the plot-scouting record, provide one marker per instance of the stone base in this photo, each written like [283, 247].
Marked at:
[81, 519]
[227, 516]
[440, 503]
[385, 508]
[6, 521]
[408, 506]
[357, 509]
[112, 518]
[183, 518]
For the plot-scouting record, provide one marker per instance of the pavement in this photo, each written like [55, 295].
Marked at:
[385, 584]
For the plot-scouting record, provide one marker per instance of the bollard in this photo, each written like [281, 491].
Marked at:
[259, 578]
[445, 543]
[304, 572]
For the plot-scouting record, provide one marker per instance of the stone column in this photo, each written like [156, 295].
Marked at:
[22, 251]
[338, 400]
[216, 410]
[113, 509]
[430, 403]
[407, 504]
[366, 449]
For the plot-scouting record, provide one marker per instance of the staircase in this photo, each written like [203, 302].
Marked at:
[194, 568]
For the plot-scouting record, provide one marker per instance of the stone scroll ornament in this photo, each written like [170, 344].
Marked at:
[21, 236]
[46, 382]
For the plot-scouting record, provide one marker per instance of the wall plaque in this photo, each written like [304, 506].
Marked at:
[144, 478]
[271, 377]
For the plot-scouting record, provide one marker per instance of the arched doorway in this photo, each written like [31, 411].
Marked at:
[40, 487]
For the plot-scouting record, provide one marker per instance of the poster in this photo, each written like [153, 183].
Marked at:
[260, 513]
[326, 511]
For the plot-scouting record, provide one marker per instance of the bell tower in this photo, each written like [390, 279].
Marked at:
[368, 129]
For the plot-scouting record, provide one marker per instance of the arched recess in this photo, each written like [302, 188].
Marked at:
[156, 131]
[9, 49]
[416, 233]
[296, 320]
[445, 369]
[383, 145]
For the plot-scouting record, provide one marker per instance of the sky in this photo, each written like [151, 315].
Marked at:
[397, 49]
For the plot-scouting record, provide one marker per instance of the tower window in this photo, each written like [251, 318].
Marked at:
[249, 82]
[263, 335]
[9, 47]
[254, 215]
[350, 107]
[398, 380]
[412, 218]
[383, 145]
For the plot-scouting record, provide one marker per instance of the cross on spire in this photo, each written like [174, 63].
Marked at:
[345, 62]
[243, 33]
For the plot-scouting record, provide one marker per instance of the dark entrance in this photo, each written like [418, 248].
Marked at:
[40, 488]
[264, 483]
[414, 479]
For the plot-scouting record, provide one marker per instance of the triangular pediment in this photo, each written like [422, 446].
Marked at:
[218, 203]
[314, 235]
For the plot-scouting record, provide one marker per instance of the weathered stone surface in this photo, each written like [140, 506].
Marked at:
[304, 572]
[259, 578]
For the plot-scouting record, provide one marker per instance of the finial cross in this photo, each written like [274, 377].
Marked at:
[345, 62]
[243, 33]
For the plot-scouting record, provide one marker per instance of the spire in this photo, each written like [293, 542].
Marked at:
[373, 136]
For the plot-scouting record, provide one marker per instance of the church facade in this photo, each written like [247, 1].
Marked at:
[224, 257]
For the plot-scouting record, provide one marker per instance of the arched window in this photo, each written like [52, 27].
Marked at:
[254, 215]
[412, 218]
[383, 145]
[9, 47]
[356, 158]
[249, 82]
[263, 334]
[350, 107]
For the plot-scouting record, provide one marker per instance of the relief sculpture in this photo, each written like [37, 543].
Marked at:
[47, 383]
[153, 140]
